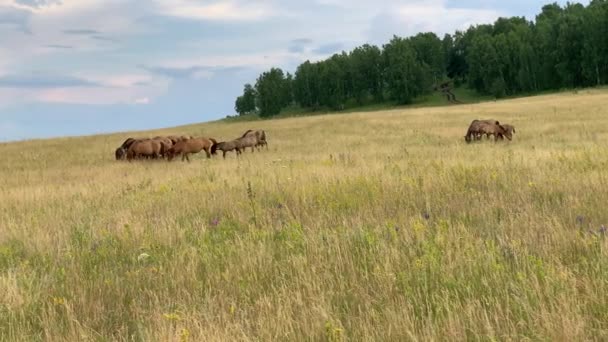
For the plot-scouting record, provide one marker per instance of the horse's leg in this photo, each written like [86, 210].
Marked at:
[224, 154]
[208, 153]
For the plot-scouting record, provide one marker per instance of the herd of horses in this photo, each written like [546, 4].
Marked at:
[169, 147]
[479, 128]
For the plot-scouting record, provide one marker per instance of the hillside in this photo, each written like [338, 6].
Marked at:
[365, 226]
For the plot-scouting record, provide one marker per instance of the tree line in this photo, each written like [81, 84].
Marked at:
[564, 47]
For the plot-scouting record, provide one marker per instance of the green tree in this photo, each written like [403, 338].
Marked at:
[595, 44]
[245, 104]
[430, 54]
[546, 45]
[366, 67]
[333, 82]
[484, 70]
[403, 72]
[456, 67]
[306, 85]
[570, 45]
[270, 88]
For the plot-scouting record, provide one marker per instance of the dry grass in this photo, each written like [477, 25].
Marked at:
[376, 226]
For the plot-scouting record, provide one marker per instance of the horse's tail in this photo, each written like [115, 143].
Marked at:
[213, 146]
[248, 131]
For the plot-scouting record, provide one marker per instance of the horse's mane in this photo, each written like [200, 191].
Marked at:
[249, 131]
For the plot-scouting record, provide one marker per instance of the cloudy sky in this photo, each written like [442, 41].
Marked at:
[76, 67]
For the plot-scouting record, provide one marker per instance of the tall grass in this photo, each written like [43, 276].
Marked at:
[372, 226]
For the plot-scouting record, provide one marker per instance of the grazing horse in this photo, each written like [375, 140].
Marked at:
[120, 153]
[510, 130]
[123, 149]
[166, 143]
[497, 130]
[473, 131]
[478, 128]
[191, 146]
[145, 148]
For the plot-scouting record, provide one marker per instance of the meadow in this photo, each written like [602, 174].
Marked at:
[376, 226]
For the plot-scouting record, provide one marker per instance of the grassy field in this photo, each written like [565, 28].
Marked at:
[379, 226]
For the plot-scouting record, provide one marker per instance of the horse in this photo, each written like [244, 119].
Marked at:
[260, 135]
[227, 146]
[191, 146]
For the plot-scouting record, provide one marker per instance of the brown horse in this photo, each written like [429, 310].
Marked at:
[190, 146]
[474, 131]
[146, 148]
[248, 141]
[227, 146]
[508, 128]
[165, 143]
[260, 135]
[495, 129]
[479, 128]
[121, 151]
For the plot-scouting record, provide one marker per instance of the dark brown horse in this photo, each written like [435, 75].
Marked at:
[227, 146]
[120, 153]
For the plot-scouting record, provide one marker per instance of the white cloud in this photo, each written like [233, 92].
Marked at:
[255, 59]
[119, 80]
[94, 96]
[435, 16]
[218, 10]
[109, 89]
[142, 101]
[412, 17]
[54, 7]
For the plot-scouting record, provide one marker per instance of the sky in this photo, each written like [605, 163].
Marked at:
[79, 67]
